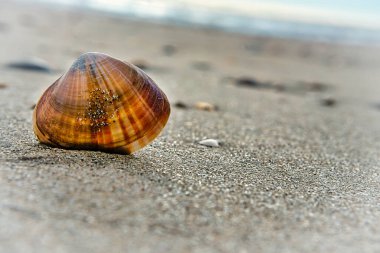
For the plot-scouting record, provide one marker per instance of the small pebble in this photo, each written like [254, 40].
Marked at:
[328, 101]
[181, 105]
[209, 143]
[204, 106]
[32, 64]
[246, 81]
[252, 83]
[3, 86]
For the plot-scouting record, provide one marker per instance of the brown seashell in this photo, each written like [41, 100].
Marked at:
[101, 103]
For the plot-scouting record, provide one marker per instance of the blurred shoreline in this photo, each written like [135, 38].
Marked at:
[182, 13]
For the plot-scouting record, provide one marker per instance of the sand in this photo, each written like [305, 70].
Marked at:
[293, 174]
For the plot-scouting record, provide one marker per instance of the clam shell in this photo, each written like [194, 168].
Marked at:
[101, 103]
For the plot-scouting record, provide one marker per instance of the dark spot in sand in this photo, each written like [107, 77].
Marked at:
[292, 87]
[181, 105]
[28, 212]
[3, 86]
[142, 64]
[169, 50]
[32, 107]
[253, 83]
[328, 101]
[377, 106]
[201, 65]
[314, 86]
[247, 81]
[36, 65]
[30, 158]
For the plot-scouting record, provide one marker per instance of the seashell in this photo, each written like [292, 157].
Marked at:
[31, 64]
[101, 103]
[210, 143]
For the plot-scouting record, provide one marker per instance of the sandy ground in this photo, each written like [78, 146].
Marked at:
[293, 175]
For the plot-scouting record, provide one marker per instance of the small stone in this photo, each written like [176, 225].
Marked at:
[247, 81]
[210, 143]
[204, 106]
[328, 101]
[253, 83]
[3, 86]
[32, 64]
[181, 105]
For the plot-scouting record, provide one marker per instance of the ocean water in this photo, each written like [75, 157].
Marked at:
[342, 21]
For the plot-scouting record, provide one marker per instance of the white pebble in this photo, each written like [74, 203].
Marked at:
[210, 143]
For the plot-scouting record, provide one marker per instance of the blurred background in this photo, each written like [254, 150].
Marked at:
[291, 91]
[348, 21]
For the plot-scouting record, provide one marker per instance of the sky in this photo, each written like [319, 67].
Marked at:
[364, 6]
[358, 13]
[352, 13]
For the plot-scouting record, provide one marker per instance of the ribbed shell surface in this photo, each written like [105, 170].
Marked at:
[101, 103]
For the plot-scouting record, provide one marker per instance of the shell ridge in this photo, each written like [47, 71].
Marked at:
[121, 123]
[136, 93]
[42, 113]
[140, 138]
[158, 123]
[108, 88]
[73, 101]
[140, 97]
[158, 92]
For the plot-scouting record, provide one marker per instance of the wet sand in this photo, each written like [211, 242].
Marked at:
[295, 171]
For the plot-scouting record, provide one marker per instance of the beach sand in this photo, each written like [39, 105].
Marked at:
[298, 169]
